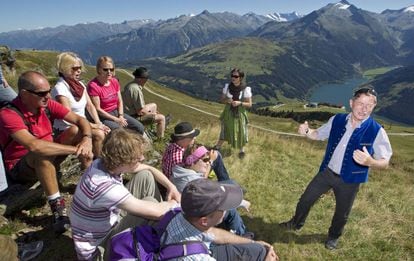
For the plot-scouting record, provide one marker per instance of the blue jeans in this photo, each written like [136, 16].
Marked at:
[219, 168]
[133, 123]
[345, 194]
[233, 221]
[6, 95]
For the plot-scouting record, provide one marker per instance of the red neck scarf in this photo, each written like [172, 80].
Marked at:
[76, 88]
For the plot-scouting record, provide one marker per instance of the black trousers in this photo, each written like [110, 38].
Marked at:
[345, 194]
[239, 252]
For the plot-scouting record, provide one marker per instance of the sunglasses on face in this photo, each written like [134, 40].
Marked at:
[206, 159]
[75, 68]
[108, 69]
[235, 76]
[39, 94]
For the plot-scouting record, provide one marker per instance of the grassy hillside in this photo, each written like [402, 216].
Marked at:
[275, 172]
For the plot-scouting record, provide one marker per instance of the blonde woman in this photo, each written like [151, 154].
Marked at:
[71, 93]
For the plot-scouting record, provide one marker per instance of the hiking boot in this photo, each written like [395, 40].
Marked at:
[60, 218]
[331, 243]
[288, 225]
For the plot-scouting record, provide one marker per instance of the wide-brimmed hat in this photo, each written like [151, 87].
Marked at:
[201, 197]
[184, 130]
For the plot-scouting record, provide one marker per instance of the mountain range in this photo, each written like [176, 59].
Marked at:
[139, 39]
[282, 59]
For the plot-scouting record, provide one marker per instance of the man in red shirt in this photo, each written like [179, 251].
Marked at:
[27, 143]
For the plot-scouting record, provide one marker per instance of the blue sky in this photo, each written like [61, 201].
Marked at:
[32, 14]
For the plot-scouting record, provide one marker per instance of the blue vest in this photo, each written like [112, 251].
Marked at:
[351, 172]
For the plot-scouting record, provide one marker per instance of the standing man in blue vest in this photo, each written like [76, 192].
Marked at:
[356, 142]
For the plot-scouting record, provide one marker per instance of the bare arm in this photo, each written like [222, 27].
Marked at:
[97, 103]
[247, 103]
[120, 104]
[146, 209]
[41, 147]
[222, 236]
[84, 147]
[224, 99]
[92, 110]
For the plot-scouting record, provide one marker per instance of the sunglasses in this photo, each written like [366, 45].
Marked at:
[207, 159]
[235, 76]
[108, 69]
[371, 91]
[39, 94]
[75, 68]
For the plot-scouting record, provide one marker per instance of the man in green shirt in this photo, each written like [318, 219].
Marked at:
[134, 103]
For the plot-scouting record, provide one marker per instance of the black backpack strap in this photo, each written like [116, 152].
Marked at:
[14, 108]
[135, 238]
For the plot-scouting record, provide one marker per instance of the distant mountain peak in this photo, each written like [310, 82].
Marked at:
[409, 9]
[286, 17]
[342, 5]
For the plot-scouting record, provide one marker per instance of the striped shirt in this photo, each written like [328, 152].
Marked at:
[173, 155]
[94, 209]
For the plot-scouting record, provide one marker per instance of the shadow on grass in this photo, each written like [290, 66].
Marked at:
[272, 233]
[55, 247]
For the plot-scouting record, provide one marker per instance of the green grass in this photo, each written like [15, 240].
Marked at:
[275, 172]
[237, 54]
[370, 74]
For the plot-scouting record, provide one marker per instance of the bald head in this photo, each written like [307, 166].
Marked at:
[30, 80]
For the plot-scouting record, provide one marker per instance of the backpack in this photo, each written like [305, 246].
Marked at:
[143, 243]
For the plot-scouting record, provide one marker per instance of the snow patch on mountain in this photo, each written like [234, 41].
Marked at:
[409, 9]
[286, 17]
[342, 6]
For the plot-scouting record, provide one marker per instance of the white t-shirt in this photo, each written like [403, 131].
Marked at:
[247, 93]
[62, 88]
